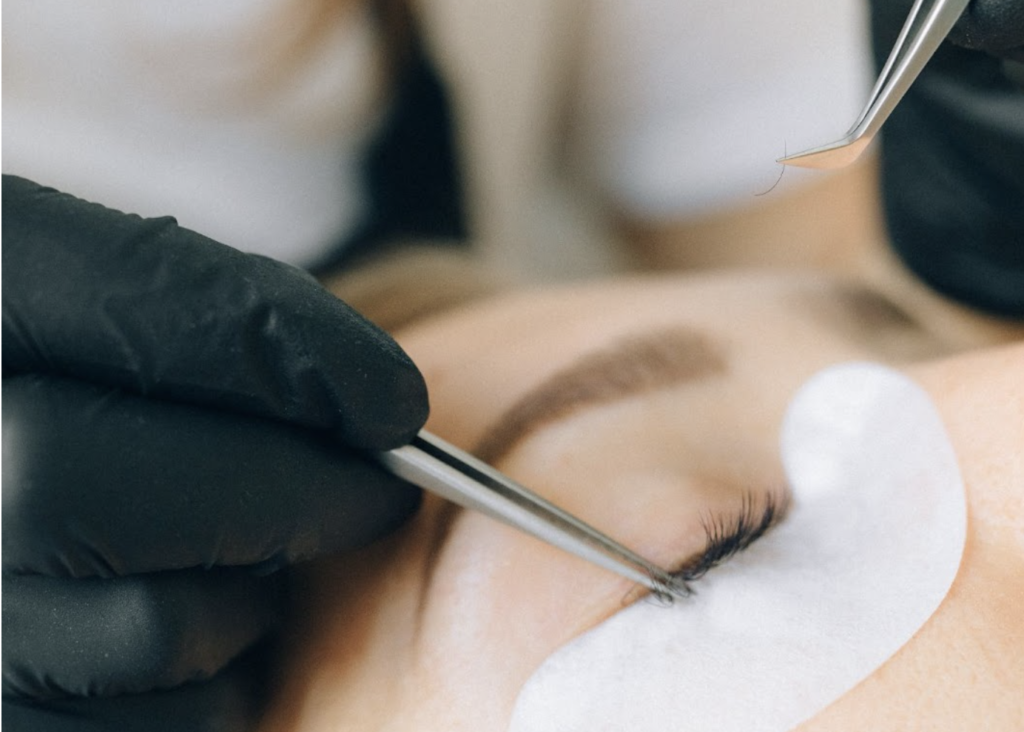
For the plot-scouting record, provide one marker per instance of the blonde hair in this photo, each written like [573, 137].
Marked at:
[270, 53]
[307, 25]
[414, 282]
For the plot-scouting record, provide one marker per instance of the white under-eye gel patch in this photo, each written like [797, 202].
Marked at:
[870, 548]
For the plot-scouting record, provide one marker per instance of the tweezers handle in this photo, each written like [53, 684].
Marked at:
[442, 468]
[923, 32]
[928, 24]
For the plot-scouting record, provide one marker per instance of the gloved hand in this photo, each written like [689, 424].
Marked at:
[953, 157]
[180, 420]
[993, 26]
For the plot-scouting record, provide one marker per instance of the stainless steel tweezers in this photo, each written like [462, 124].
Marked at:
[441, 468]
[927, 26]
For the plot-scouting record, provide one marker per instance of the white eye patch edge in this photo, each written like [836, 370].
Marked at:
[868, 552]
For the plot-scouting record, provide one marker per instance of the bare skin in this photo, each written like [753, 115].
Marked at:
[826, 224]
[833, 225]
[964, 669]
[439, 626]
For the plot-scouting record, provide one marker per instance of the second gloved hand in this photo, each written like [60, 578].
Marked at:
[180, 421]
[994, 26]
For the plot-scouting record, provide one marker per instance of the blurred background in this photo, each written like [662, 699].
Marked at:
[595, 135]
[585, 120]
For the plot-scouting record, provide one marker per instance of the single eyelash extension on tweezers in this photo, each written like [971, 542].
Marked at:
[727, 535]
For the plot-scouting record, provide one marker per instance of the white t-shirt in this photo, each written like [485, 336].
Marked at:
[683, 106]
[163, 109]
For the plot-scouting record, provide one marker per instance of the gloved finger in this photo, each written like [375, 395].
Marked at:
[995, 26]
[106, 637]
[98, 482]
[148, 306]
[230, 702]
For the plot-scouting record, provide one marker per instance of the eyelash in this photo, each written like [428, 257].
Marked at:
[729, 535]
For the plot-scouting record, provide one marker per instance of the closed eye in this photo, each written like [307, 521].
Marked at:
[651, 361]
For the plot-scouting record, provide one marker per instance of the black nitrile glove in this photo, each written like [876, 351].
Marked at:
[180, 420]
[953, 157]
[993, 26]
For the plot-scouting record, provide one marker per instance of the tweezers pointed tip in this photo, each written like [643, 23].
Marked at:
[667, 587]
[828, 157]
[804, 160]
[817, 158]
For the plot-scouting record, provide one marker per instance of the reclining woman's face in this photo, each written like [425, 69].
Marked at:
[650, 409]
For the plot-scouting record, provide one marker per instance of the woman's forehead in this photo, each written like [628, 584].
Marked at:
[482, 361]
[651, 361]
[487, 357]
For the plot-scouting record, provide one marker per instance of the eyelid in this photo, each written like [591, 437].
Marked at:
[658, 359]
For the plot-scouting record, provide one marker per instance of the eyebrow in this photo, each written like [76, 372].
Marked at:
[652, 361]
